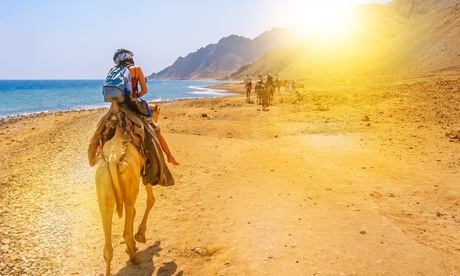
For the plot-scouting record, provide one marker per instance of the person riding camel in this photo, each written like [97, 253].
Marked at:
[258, 88]
[248, 87]
[123, 57]
[261, 79]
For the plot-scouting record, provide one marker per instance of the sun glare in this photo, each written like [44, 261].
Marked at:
[330, 15]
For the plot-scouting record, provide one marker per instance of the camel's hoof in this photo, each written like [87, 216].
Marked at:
[136, 260]
[140, 238]
[135, 249]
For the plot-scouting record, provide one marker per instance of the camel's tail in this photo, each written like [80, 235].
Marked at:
[113, 168]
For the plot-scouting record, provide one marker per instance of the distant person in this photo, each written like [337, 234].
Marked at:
[270, 80]
[259, 87]
[260, 79]
[294, 86]
[123, 57]
[248, 87]
[289, 86]
[277, 84]
[263, 92]
[270, 86]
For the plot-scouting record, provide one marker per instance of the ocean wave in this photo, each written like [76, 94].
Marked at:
[197, 90]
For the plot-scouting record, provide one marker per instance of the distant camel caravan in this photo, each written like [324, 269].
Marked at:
[119, 168]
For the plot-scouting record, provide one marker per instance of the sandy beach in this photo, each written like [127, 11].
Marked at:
[346, 177]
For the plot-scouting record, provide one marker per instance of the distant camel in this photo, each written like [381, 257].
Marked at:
[117, 182]
[271, 92]
[264, 98]
[258, 90]
[248, 87]
[277, 86]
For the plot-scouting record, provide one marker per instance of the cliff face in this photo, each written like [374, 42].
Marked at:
[404, 36]
[216, 61]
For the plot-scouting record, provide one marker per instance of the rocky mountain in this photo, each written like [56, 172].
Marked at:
[403, 36]
[216, 61]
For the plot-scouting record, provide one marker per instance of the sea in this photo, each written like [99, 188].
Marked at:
[26, 97]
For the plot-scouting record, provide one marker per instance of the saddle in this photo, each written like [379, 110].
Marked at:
[143, 137]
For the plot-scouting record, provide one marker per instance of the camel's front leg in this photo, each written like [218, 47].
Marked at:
[140, 235]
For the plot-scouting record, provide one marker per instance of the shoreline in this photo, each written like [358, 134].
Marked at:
[15, 117]
[196, 90]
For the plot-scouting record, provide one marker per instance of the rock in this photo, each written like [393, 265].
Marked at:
[5, 241]
[5, 248]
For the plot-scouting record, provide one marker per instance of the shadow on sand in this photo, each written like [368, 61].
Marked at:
[147, 267]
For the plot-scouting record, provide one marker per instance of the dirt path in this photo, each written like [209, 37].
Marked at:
[339, 180]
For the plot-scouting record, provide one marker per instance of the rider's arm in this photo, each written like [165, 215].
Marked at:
[142, 82]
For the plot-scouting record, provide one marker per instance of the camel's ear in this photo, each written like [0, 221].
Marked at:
[155, 111]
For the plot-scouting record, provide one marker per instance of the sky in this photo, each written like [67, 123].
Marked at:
[58, 39]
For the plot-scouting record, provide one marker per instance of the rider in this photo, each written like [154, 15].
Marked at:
[248, 82]
[270, 80]
[261, 79]
[124, 57]
[277, 84]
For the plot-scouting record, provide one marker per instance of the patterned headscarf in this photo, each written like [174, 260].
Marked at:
[123, 57]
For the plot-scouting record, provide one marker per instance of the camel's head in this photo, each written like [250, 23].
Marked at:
[155, 111]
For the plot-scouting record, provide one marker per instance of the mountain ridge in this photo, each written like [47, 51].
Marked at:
[218, 60]
[400, 37]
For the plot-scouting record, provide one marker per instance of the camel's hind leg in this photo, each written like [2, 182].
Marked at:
[272, 91]
[106, 200]
[130, 192]
[130, 213]
[140, 235]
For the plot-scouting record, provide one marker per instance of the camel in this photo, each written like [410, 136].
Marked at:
[277, 87]
[264, 98]
[117, 182]
[248, 87]
[258, 90]
[271, 92]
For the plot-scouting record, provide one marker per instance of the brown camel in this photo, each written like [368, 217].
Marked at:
[117, 182]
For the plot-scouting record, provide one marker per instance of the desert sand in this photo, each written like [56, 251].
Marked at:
[346, 177]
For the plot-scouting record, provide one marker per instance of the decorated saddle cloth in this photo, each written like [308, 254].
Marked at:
[155, 170]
